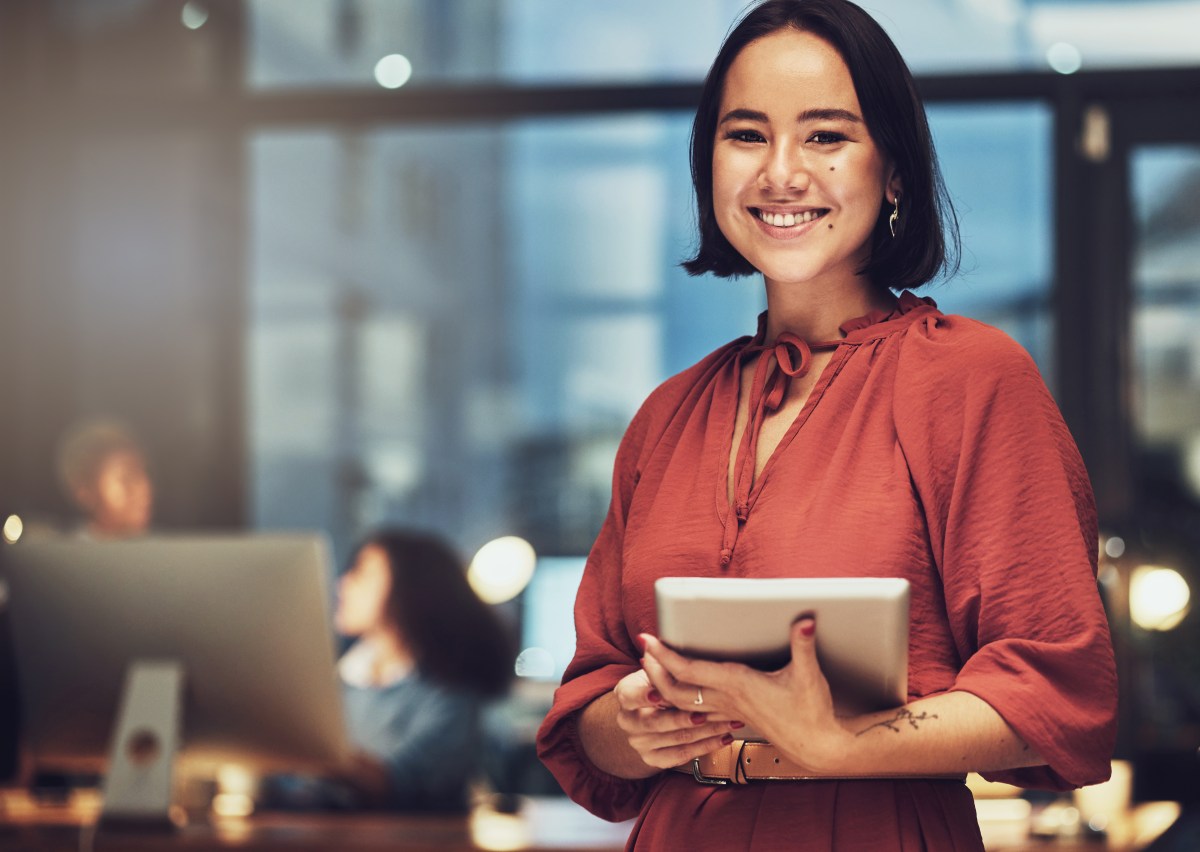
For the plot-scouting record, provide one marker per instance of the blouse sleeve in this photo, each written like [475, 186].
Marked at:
[1012, 527]
[604, 653]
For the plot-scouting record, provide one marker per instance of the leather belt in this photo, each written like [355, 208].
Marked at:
[744, 761]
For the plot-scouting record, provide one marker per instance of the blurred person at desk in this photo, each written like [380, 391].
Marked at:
[103, 471]
[428, 655]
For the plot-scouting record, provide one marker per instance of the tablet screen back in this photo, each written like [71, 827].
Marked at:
[862, 629]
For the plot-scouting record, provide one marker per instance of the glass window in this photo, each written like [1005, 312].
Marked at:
[996, 161]
[453, 327]
[339, 42]
[1166, 346]
[320, 43]
[1165, 404]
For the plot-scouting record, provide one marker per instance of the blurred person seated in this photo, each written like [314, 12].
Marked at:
[102, 468]
[428, 656]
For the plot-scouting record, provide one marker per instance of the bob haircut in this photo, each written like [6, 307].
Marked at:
[895, 118]
[456, 639]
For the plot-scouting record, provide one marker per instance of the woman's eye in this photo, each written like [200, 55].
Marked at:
[826, 137]
[744, 136]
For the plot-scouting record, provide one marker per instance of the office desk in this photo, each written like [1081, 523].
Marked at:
[542, 825]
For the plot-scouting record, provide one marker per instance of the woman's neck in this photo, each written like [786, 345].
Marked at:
[816, 312]
[390, 650]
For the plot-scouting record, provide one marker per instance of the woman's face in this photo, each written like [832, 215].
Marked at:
[363, 593]
[122, 499]
[798, 182]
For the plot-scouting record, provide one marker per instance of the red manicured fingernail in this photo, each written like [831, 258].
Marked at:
[735, 725]
[727, 739]
[808, 626]
[654, 697]
[698, 718]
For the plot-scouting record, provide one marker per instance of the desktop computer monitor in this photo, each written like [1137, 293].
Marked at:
[244, 620]
[547, 618]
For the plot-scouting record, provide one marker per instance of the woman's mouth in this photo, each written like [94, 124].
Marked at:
[787, 220]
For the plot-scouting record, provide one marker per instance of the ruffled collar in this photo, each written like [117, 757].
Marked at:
[865, 326]
[768, 387]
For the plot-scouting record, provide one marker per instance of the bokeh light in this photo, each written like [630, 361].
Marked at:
[393, 71]
[1064, 58]
[1159, 597]
[194, 15]
[502, 569]
[14, 528]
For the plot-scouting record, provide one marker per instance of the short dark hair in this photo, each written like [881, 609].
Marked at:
[86, 446]
[927, 239]
[455, 638]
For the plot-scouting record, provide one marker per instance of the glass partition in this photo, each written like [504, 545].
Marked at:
[451, 327]
[339, 43]
[996, 160]
[1161, 554]
[1166, 344]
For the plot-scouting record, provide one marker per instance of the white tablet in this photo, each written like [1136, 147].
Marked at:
[862, 629]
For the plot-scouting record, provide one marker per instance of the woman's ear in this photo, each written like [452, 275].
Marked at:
[895, 187]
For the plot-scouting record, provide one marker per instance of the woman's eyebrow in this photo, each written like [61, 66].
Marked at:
[816, 114]
[743, 115]
[828, 114]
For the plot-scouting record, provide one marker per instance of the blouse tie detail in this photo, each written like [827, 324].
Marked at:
[767, 392]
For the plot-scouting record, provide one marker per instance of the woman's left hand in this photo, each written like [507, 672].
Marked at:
[367, 775]
[791, 707]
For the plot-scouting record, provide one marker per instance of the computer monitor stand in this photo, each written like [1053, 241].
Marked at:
[139, 786]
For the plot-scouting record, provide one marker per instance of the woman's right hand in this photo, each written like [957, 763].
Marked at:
[662, 735]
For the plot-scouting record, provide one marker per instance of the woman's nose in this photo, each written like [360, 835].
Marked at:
[784, 170]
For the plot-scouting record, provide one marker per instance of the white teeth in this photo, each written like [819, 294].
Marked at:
[788, 220]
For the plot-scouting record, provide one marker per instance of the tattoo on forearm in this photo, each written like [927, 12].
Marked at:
[902, 715]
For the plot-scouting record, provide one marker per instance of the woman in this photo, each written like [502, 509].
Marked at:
[103, 471]
[858, 433]
[428, 654]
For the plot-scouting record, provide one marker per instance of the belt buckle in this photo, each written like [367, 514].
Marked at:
[706, 779]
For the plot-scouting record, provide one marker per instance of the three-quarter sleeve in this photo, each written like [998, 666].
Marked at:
[604, 653]
[1012, 527]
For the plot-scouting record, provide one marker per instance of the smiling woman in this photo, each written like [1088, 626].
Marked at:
[860, 432]
[797, 178]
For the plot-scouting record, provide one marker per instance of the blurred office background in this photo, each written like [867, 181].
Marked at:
[342, 262]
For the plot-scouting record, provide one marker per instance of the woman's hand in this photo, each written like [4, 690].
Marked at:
[368, 776]
[666, 734]
[790, 707]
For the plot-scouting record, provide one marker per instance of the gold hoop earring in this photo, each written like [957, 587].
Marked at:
[895, 216]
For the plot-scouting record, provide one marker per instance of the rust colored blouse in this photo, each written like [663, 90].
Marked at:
[929, 449]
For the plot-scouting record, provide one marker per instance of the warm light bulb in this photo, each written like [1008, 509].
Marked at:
[502, 569]
[14, 527]
[1158, 597]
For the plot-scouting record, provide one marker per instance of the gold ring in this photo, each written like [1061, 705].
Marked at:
[699, 697]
